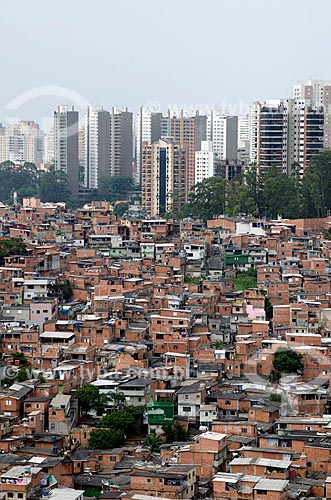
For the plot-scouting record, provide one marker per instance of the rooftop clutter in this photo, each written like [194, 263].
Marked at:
[148, 358]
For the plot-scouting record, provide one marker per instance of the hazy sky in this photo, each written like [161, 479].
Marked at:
[131, 52]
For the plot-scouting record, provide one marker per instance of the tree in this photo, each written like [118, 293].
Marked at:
[154, 442]
[88, 398]
[287, 361]
[61, 290]
[121, 208]
[116, 187]
[269, 310]
[19, 356]
[314, 190]
[100, 404]
[321, 166]
[208, 198]
[117, 398]
[279, 194]
[128, 420]
[276, 397]
[253, 184]
[175, 433]
[11, 246]
[104, 439]
[54, 186]
[27, 180]
[239, 199]
[121, 419]
[313, 203]
[22, 375]
[23, 179]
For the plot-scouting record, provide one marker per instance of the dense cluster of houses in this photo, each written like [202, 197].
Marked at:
[154, 314]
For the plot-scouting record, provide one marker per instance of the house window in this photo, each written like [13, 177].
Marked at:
[8, 402]
[100, 457]
[243, 430]
[186, 408]
[52, 426]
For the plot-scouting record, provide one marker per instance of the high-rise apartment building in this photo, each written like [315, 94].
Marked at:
[2, 143]
[190, 131]
[49, 146]
[243, 139]
[66, 145]
[149, 127]
[96, 149]
[228, 169]
[305, 133]
[268, 134]
[285, 132]
[121, 142]
[164, 175]
[243, 131]
[21, 142]
[318, 94]
[204, 162]
[81, 142]
[223, 132]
